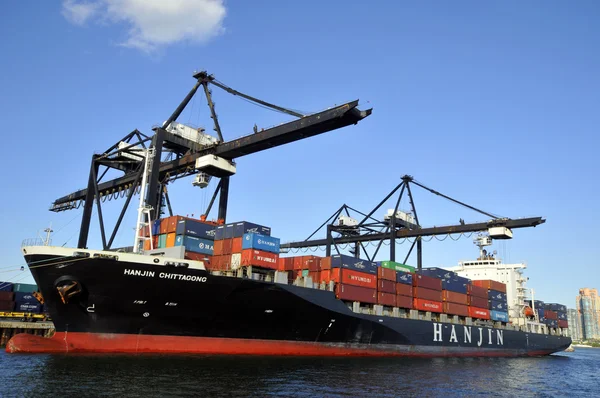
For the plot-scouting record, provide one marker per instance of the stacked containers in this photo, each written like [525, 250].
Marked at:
[7, 297]
[396, 266]
[555, 315]
[538, 306]
[26, 302]
[356, 280]
[561, 312]
[196, 236]
[245, 244]
[386, 286]
[427, 292]
[496, 305]
[404, 290]
[454, 290]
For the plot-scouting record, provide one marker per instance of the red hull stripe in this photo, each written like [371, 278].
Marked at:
[128, 343]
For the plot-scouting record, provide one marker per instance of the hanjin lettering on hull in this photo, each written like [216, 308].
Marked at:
[164, 275]
[456, 334]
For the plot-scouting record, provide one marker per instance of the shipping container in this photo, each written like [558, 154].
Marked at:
[145, 231]
[553, 323]
[325, 263]
[173, 222]
[427, 282]
[24, 287]
[24, 297]
[396, 266]
[500, 316]
[305, 272]
[427, 305]
[7, 305]
[386, 273]
[356, 293]
[427, 294]
[147, 245]
[403, 289]
[315, 276]
[162, 241]
[260, 242]
[454, 297]
[496, 295]
[155, 241]
[563, 323]
[561, 308]
[170, 239]
[404, 301]
[541, 313]
[195, 228]
[28, 307]
[227, 247]
[479, 313]
[404, 277]
[326, 275]
[311, 263]
[196, 245]
[6, 296]
[455, 285]
[298, 263]
[236, 245]
[438, 273]
[478, 302]
[236, 260]
[259, 258]
[342, 261]
[164, 224]
[352, 277]
[244, 227]
[286, 264]
[197, 257]
[218, 248]
[497, 305]
[386, 286]
[456, 309]
[490, 284]
[155, 227]
[388, 299]
[477, 291]
[220, 232]
[562, 316]
[548, 314]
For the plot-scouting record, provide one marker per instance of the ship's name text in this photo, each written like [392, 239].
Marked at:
[481, 336]
[164, 275]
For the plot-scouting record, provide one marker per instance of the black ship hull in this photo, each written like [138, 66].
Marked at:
[135, 307]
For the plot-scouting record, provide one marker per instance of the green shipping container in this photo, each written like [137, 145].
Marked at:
[24, 288]
[304, 272]
[397, 266]
[162, 241]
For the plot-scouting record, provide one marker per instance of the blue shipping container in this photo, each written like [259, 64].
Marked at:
[196, 228]
[438, 273]
[24, 297]
[28, 307]
[6, 287]
[228, 231]
[245, 227]
[496, 295]
[536, 303]
[540, 312]
[553, 323]
[195, 245]
[220, 232]
[342, 261]
[454, 286]
[562, 316]
[499, 316]
[404, 277]
[561, 308]
[260, 242]
[497, 305]
[156, 228]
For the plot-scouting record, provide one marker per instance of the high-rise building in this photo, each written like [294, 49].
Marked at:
[588, 306]
[574, 319]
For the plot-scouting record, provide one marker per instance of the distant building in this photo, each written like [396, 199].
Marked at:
[574, 324]
[588, 307]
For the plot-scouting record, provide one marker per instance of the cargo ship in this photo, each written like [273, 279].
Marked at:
[191, 285]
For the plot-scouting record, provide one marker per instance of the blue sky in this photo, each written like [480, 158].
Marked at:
[494, 104]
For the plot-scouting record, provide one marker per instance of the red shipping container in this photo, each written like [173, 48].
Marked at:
[7, 305]
[312, 263]
[172, 223]
[550, 314]
[356, 293]
[386, 286]
[259, 258]
[236, 245]
[325, 263]
[388, 299]
[490, 284]
[164, 223]
[218, 248]
[145, 231]
[227, 244]
[563, 324]
[478, 302]
[286, 264]
[427, 282]
[315, 276]
[298, 262]
[197, 256]
[479, 313]
[326, 275]
[454, 297]
[386, 273]
[427, 294]
[477, 291]
[427, 305]
[351, 277]
[456, 309]
[404, 301]
[404, 290]
[155, 241]
[7, 296]
[225, 262]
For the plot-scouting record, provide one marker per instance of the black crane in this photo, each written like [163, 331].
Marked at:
[371, 229]
[124, 157]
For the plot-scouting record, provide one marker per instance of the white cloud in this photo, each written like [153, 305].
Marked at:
[154, 23]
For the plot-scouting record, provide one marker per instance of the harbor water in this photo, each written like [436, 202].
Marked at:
[573, 374]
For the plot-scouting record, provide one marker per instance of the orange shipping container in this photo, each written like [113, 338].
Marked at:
[218, 248]
[351, 277]
[427, 305]
[456, 309]
[325, 263]
[171, 239]
[386, 299]
[315, 276]
[490, 284]
[479, 313]
[298, 262]
[356, 293]
[311, 263]
[454, 297]
[326, 275]
[164, 224]
[259, 258]
[477, 291]
[386, 286]
[227, 245]
[404, 290]
[155, 241]
[427, 294]
[286, 264]
[147, 244]
[236, 245]
[404, 301]
[172, 223]
[386, 273]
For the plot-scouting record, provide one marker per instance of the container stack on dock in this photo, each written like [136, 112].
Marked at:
[18, 297]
